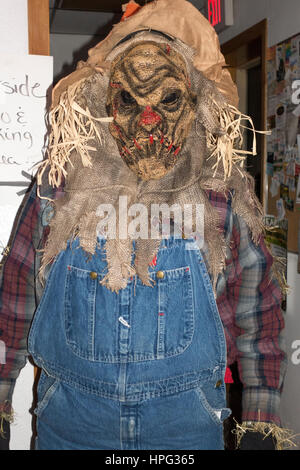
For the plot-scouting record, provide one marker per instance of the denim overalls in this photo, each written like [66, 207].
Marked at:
[141, 369]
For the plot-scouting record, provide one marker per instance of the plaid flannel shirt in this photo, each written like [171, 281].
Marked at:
[249, 303]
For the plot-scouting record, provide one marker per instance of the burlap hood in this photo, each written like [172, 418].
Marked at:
[178, 18]
[84, 157]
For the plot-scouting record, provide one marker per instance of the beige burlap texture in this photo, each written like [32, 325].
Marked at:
[83, 152]
[177, 18]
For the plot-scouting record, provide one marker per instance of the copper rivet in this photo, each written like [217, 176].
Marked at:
[160, 274]
[93, 275]
[219, 383]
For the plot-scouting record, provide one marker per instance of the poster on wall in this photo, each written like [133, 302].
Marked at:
[283, 77]
[25, 86]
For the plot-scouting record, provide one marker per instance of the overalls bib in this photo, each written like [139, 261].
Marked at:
[139, 369]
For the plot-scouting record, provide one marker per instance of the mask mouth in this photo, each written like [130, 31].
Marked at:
[148, 155]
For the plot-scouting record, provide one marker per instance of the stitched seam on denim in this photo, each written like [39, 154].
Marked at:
[65, 377]
[214, 307]
[47, 398]
[37, 315]
[141, 396]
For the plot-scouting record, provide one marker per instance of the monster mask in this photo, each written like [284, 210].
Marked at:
[154, 91]
[152, 105]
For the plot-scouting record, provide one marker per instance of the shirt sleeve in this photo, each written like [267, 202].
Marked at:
[17, 295]
[255, 298]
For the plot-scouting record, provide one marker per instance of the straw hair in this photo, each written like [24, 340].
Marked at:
[282, 437]
[73, 129]
[226, 147]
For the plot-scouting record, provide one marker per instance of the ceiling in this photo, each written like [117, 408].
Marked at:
[90, 17]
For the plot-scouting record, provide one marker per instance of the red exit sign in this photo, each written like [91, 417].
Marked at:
[219, 13]
[214, 11]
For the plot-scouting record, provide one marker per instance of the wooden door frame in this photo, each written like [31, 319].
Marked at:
[38, 44]
[256, 32]
[38, 27]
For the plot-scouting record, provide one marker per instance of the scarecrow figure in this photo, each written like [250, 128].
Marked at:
[133, 334]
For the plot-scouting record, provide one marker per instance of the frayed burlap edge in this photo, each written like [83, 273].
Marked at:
[74, 129]
[282, 437]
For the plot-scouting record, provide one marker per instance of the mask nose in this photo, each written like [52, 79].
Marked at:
[149, 117]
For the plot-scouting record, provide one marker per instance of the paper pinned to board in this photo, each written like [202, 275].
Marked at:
[274, 187]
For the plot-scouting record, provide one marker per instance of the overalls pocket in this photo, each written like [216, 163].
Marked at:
[215, 414]
[162, 316]
[139, 323]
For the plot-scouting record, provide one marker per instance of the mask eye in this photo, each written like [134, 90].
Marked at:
[171, 98]
[127, 98]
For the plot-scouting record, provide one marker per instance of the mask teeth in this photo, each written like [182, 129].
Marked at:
[170, 146]
[177, 151]
[115, 85]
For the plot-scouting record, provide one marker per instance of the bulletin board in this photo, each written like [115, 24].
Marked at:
[283, 145]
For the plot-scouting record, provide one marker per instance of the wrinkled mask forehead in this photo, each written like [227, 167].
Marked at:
[153, 107]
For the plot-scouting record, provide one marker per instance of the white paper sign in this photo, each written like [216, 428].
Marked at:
[25, 83]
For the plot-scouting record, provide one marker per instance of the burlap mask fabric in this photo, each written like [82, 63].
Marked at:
[153, 106]
[83, 152]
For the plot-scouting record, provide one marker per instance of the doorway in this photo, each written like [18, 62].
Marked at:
[246, 58]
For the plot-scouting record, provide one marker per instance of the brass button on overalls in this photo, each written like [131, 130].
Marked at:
[160, 274]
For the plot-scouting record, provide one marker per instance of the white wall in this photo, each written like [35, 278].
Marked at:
[67, 49]
[14, 26]
[290, 404]
[283, 18]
